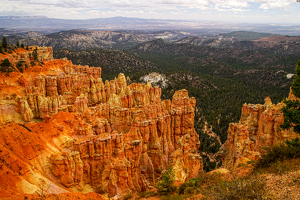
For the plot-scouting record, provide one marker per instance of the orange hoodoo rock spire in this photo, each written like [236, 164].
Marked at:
[110, 137]
[257, 128]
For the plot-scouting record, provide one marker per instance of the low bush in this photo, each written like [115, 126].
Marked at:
[289, 150]
[187, 187]
[166, 185]
[281, 167]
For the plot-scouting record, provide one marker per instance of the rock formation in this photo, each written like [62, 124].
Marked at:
[82, 134]
[257, 128]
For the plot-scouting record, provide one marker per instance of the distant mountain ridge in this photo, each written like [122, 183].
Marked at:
[46, 25]
[223, 40]
[84, 39]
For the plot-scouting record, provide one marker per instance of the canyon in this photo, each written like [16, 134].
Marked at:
[65, 130]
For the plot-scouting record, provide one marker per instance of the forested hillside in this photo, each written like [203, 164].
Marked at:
[244, 40]
[112, 62]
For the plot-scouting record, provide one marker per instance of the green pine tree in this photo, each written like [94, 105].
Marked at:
[17, 44]
[166, 185]
[4, 42]
[291, 111]
[34, 54]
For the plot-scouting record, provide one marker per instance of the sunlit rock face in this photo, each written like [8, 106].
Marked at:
[83, 134]
[126, 148]
[257, 128]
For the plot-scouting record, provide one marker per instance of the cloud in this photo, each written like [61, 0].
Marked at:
[158, 4]
[129, 3]
[275, 4]
[72, 13]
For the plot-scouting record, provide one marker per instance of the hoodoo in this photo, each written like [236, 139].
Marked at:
[64, 130]
[257, 128]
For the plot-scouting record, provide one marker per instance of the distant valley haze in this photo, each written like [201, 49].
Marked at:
[46, 25]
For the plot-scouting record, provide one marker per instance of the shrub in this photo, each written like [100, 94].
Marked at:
[289, 150]
[21, 65]
[166, 185]
[293, 143]
[189, 190]
[189, 186]
[6, 67]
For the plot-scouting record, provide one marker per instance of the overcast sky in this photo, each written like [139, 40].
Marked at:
[257, 11]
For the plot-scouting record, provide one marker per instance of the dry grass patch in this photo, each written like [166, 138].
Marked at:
[249, 187]
[281, 167]
[285, 186]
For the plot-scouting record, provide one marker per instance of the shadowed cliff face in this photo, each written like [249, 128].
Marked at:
[257, 128]
[110, 137]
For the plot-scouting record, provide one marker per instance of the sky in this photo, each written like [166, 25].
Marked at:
[248, 11]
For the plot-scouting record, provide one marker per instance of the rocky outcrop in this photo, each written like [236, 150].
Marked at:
[100, 136]
[257, 128]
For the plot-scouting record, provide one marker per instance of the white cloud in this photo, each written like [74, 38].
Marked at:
[155, 4]
[125, 3]
[72, 13]
[275, 4]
